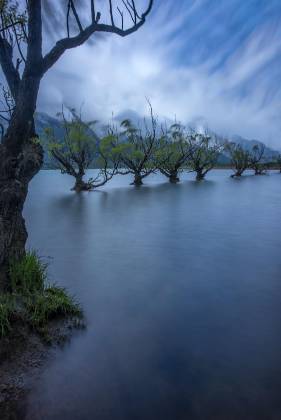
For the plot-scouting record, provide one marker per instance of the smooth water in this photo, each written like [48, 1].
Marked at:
[181, 286]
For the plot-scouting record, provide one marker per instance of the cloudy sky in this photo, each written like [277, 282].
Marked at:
[217, 61]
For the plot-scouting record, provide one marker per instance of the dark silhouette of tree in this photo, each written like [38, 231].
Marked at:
[240, 158]
[24, 65]
[278, 161]
[80, 149]
[204, 153]
[256, 159]
[174, 152]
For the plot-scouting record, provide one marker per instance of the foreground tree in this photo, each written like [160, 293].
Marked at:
[204, 153]
[21, 155]
[173, 153]
[256, 159]
[80, 149]
[137, 149]
[240, 158]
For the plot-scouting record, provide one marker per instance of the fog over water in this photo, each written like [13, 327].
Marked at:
[181, 287]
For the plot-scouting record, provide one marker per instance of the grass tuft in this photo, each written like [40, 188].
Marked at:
[31, 301]
[53, 303]
[28, 275]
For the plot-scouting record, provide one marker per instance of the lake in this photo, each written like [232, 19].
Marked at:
[181, 287]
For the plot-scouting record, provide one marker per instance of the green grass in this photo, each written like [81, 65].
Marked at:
[31, 300]
[53, 302]
[28, 275]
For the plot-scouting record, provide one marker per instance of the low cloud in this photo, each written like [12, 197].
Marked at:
[188, 63]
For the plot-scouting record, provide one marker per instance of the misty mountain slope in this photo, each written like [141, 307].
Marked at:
[43, 121]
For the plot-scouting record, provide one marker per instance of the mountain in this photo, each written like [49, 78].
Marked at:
[43, 121]
[248, 145]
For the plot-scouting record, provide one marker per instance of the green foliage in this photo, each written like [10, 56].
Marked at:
[138, 147]
[28, 275]
[240, 158]
[31, 301]
[78, 147]
[204, 153]
[52, 303]
[10, 12]
[173, 150]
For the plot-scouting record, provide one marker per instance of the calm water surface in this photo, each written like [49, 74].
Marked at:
[181, 286]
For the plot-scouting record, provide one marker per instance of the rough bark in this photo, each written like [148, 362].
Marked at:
[137, 180]
[15, 175]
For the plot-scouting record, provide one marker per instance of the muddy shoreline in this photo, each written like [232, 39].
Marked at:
[23, 355]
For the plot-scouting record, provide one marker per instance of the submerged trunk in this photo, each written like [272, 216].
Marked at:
[260, 171]
[81, 185]
[199, 175]
[137, 180]
[236, 174]
[173, 178]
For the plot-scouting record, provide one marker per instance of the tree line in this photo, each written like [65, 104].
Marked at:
[146, 148]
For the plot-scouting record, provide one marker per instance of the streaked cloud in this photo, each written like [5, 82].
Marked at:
[208, 59]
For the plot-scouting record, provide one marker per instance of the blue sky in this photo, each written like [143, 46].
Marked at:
[211, 61]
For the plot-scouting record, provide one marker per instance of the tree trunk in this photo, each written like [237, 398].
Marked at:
[173, 178]
[15, 175]
[21, 158]
[236, 175]
[81, 185]
[199, 176]
[137, 180]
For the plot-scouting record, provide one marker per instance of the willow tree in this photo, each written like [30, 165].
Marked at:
[278, 162]
[240, 158]
[137, 149]
[24, 65]
[173, 152]
[257, 160]
[204, 153]
[80, 149]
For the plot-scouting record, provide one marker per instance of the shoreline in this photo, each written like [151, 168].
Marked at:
[23, 356]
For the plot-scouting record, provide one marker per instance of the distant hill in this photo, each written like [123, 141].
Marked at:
[248, 145]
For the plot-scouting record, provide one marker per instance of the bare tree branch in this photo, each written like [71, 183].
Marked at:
[72, 42]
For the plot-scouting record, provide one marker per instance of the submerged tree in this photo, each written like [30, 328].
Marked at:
[204, 153]
[137, 149]
[24, 65]
[80, 149]
[173, 152]
[256, 159]
[278, 161]
[240, 158]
